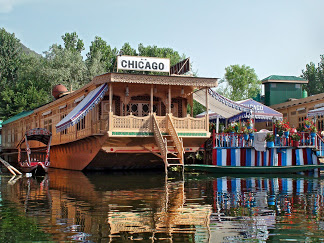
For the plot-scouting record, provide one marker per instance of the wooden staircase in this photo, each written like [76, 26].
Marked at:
[170, 145]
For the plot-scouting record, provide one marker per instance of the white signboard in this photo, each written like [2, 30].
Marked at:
[153, 64]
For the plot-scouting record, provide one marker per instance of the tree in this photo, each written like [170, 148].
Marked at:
[315, 77]
[66, 67]
[154, 51]
[240, 82]
[72, 42]
[10, 51]
[101, 57]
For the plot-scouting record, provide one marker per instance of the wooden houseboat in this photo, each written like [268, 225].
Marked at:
[117, 121]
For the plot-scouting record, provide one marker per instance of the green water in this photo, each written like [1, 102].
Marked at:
[67, 206]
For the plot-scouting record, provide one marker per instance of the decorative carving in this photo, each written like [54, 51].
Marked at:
[177, 141]
[155, 79]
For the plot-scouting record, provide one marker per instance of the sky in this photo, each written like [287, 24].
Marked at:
[277, 37]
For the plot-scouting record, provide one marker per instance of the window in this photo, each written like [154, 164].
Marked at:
[65, 130]
[81, 124]
[48, 124]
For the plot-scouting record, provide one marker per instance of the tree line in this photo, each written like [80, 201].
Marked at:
[27, 78]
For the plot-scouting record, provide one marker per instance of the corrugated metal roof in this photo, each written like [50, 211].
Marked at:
[18, 116]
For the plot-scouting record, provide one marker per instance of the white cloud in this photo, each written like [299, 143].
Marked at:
[6, 6]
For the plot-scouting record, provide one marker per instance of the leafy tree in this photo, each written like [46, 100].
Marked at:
[65, 66]
[10, 51]
[72, 42]
[128, 50]
[101, 57]
[240, 82]
[315, 77]
[154, 51]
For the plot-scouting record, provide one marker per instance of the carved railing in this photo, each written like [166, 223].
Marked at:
[189, 123]
[162, 144]
[162, 123]
[144, 124]
[177, 141]
[130, 123]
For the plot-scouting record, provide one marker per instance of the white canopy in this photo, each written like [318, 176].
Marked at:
[82, 108]
[219, 104]
[316, 112]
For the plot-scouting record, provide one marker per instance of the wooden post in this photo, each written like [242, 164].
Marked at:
[207, 110]
[191, 104]
[169, 100]
[151, 100]
[110, 97]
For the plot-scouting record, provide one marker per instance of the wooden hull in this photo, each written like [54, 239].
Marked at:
[252, 170]
[35, 168]
[76, 155]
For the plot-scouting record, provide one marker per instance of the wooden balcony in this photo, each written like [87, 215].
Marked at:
[142, 126]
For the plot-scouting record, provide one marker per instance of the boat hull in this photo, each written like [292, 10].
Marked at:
[38, 168]
[252, 170]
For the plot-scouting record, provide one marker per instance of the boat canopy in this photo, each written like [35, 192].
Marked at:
[219, 104]
[260, 112]
[80, 111]
[38, 134]
[316, 112]
[257, 110]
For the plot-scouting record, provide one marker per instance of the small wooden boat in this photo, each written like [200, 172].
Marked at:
[36, 161]
[251, 169]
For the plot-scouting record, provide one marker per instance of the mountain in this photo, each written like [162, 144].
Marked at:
[28, 51]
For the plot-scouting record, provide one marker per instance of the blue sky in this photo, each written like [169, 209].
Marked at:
[273, 37]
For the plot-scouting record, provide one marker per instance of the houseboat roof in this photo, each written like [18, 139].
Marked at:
[155, 79]
[284, 79]
[18, 116]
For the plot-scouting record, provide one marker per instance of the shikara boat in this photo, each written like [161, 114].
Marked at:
[118, 121]
[36, 161]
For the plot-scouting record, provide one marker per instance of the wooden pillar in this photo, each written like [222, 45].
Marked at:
[169, 100]
[151, 100]
[191, 104]
[110, 97]
[207, 110]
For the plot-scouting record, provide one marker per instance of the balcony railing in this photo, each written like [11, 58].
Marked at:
[144, 124]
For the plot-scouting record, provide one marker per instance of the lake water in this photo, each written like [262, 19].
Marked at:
[148, 207]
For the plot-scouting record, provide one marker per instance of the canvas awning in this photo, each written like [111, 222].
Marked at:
[259, 111]
[219, 104]
[82, 108]
[316, 112]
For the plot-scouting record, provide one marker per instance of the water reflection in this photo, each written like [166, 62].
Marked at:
[72, 206]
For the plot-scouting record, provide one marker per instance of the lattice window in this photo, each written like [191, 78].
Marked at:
[81, 124]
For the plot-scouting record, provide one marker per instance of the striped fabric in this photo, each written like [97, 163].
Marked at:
[80, 111]
[272, 157]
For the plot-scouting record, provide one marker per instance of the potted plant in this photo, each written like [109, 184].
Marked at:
[245, 132]
[251, 133]
[279, 128]
[285, 128]
[270, 140]
[295, 137]
[308, 123]
[249, 124]
[313, 130]
[230, 129]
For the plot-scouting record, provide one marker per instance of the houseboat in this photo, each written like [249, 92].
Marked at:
[117, 121]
